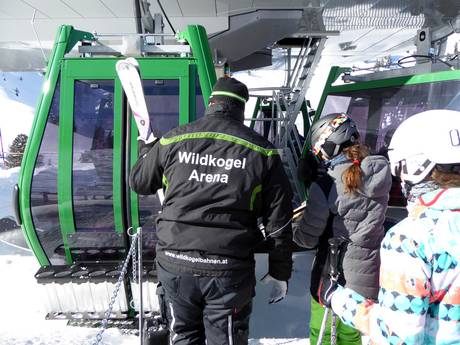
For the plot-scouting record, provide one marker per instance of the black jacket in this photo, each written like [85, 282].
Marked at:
[219, 177]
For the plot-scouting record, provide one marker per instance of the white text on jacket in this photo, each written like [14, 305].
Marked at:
[210, 161]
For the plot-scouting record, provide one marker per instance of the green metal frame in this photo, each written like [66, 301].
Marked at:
[186, 76]
[336, 71]
[197, 38]
[255, 112]
[86, 69]
[306, 120]
[96, 69]
[118, 157]
[192, 92]
[373, 84]
[65, 39]
[104, 69]
[334, 74]
[134, 206]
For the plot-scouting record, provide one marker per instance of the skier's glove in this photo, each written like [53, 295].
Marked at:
[307, 171]
[279, 288]
[327, 287]
[145, 147]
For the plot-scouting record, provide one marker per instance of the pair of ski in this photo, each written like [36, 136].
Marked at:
[128, 72]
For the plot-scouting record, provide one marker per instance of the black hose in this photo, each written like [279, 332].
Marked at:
[432, 58]
[137, 14]
[166, 17]
[414, 56]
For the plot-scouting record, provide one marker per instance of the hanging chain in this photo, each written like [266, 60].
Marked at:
[134, 267]
[134, 261]
[120, 280]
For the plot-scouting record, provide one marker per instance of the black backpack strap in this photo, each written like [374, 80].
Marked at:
[325, 182]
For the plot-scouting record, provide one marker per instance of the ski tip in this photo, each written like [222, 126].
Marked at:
[126, 63]
[132, 61]
[120, 65]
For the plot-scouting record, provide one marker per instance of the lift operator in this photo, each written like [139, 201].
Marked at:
[219, 178]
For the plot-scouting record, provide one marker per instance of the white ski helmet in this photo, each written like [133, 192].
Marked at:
[422, 141]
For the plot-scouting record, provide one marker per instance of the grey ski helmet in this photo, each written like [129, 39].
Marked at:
[332, 133]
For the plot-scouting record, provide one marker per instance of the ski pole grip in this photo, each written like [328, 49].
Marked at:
[334, 246]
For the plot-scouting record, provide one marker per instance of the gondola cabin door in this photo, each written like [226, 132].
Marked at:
[80, 202]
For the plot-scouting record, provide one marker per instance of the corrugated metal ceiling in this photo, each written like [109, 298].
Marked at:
[378, 25]
[114, 16]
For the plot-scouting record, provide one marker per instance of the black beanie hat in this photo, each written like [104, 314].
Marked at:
[228, 89]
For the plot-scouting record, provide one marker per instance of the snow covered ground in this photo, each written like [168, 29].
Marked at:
[22, 318]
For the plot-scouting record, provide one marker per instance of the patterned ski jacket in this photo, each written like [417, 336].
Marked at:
[419, 298]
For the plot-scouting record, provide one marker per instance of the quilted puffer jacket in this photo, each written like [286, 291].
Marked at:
[358, 217]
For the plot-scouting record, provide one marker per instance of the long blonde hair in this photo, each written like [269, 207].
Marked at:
[352, 177]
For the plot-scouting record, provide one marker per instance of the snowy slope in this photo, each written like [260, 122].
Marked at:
[8, 178]
[18, 96]
[22, 87]
[15, 118]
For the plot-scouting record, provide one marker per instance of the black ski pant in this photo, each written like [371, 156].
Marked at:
[208, 310]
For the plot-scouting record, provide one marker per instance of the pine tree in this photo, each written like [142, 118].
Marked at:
[14, 158]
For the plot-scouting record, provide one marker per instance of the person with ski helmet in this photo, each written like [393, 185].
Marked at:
[419, 297]
[349, 201]
[219, 177]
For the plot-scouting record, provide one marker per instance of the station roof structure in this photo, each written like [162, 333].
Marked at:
[367, 28]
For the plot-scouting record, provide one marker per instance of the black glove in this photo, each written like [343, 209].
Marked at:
[143, 147]
[307, 172]
[296, 225]
[327, 287]
[278, 290]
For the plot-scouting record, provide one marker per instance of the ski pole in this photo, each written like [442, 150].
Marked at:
[322, 330]
[140, 272]
[333, 328]
[334, 246]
